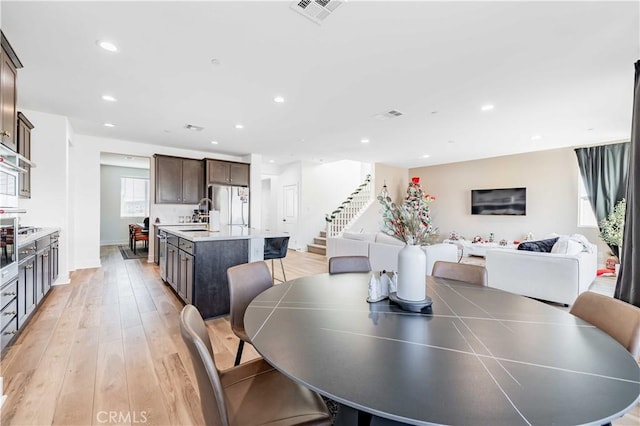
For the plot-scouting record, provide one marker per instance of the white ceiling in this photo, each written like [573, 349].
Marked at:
[563, 71]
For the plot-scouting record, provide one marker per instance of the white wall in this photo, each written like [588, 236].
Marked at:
[323, 188]
[396, 179]
[290, 174]
[551, 179]
[49, 204]
[114, 229]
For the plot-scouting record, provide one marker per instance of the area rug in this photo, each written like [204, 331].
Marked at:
[127, 253]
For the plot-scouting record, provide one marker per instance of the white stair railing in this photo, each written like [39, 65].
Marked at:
[350, 209]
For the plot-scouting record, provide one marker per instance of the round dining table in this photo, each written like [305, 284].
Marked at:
[478, 355]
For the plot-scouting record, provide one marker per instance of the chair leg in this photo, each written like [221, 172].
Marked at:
[283, 274]
[239, 353]
[135, 246]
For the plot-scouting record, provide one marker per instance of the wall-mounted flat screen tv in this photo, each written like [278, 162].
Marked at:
[504, 201]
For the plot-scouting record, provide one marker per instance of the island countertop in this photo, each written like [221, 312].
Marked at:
[229, 232]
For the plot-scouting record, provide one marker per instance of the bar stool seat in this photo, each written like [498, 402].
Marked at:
[276, 248]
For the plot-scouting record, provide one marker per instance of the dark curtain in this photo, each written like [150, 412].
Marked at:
[604, 172]
[628, 284]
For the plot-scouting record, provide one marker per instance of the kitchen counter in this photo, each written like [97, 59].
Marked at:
[229, 232]
[33, 236]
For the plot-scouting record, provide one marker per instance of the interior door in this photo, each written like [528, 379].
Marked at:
[290, 212]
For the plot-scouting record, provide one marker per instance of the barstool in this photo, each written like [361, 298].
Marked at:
[276, 248]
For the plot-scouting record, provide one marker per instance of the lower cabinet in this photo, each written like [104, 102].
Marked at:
[8, 312]
[26, 288]
[37, 270]
[173, 263]
[185, 282]
[55, 257]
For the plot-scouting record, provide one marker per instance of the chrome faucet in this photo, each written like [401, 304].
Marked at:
[205, 199]
[209, 203]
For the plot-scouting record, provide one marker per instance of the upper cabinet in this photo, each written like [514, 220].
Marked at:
[24, 149]
[178, 180]
[227, 173]
[8, 94]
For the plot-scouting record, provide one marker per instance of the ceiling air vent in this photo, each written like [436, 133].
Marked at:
[193, 127]
[316, 10]
[388, 115]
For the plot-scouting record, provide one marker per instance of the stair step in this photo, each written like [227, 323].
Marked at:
[323, 234]
[316, 248]
[320, 241]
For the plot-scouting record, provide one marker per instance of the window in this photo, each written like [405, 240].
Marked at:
[586, 217]
[134, 197]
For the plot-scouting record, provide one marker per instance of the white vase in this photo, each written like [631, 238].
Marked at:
[412, 271]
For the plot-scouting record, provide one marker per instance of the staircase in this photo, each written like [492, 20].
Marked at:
[319, 245]
[342, 217]
[350, 209]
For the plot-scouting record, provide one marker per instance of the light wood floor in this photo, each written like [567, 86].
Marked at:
[106, 349]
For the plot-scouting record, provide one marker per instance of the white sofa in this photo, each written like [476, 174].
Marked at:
[553, 277]
[382, 250]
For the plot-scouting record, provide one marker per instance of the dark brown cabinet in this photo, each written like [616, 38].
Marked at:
[26, 288]
[9, 64]
[227, 173]
[178, 180]
[24, 149]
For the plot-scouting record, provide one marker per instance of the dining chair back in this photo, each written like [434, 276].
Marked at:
[139, 235]
[345, 264]
[253, 393]
[246, 281]
[195, 335]
[618, 319]
[473, 274]
[276, 248]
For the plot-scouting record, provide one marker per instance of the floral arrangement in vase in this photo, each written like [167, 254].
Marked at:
[612, 227]
[410, 221]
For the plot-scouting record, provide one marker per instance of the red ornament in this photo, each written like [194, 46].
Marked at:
[415, 179]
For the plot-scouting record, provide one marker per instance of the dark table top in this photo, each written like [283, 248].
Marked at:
[482, 356]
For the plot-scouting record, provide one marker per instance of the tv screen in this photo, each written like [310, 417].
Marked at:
[505, 201]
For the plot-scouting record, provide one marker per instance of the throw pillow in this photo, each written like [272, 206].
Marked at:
[542, 246]
[586, 245]
[383, 238]
[566, 245]
[359, 236]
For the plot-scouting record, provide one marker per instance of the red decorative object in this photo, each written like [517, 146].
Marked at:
[415, 179]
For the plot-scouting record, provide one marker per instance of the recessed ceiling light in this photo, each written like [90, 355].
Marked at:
[434, 112]
[108, 98]
[214, 142]
[278, 99]
[271, 161]
[451, 141]
[536, 137]
[426, 156]
[107, 45]
[239, 126]
[364, 140]
[109, 125]
[215, 62]
[590, 129]
[487, 107]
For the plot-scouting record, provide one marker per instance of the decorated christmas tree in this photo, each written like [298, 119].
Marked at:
[411, 221]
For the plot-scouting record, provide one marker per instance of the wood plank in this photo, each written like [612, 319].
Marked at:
[75, 404]
[111, 390]
[146, 397]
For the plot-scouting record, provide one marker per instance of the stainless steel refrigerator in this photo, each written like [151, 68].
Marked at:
[230, 205]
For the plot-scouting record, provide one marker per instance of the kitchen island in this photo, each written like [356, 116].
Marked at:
[196, 260]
